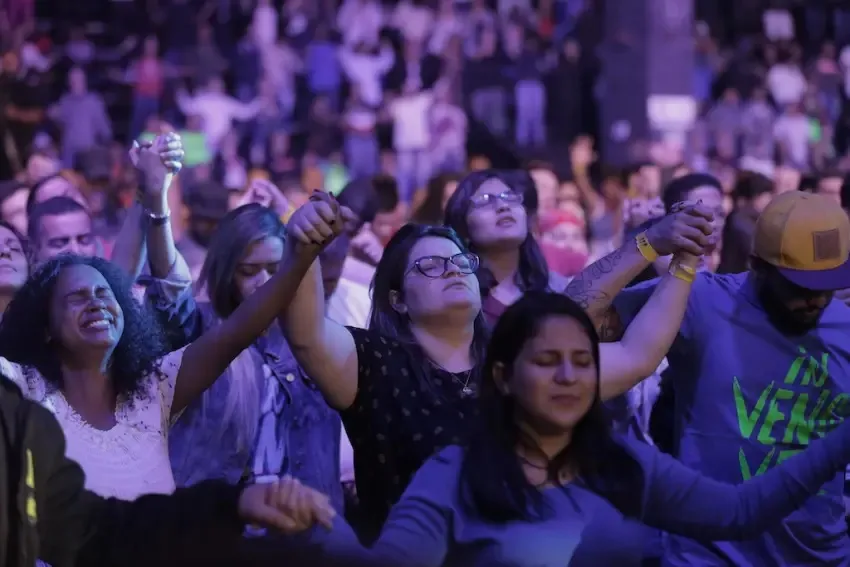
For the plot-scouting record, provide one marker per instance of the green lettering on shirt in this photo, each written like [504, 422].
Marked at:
[747, 419]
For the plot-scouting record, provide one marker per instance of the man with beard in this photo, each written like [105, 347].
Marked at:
[761, 366]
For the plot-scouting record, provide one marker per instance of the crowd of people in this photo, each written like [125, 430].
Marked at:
[297, 322]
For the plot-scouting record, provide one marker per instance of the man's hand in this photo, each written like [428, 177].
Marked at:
[157, 162]
[689, 230]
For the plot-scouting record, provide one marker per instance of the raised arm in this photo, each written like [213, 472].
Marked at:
[683, 501]
[204, 360]
[156, 163]
[648, 338]
[595, 287]
[325, 349]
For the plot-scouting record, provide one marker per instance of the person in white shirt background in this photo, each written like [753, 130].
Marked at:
[449, 125]
[216, 109]
[793, 133]
[360, 22]
[410, 113]
[365, 67]
[786, 81]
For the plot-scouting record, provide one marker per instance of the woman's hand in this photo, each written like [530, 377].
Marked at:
[156, 161]
[286, 505]
[316, 223]
[688, 229]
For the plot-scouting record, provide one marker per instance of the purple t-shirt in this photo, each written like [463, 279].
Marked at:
[747, 398]
[431, 527]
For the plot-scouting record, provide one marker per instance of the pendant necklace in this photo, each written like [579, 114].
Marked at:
[466, 390]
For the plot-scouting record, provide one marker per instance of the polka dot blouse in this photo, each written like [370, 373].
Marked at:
[405, 411]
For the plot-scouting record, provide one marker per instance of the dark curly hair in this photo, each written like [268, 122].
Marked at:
[26, 322]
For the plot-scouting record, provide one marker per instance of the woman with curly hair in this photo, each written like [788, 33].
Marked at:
[91, 354]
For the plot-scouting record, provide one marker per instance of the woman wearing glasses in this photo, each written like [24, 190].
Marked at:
[493, 211]
[405, 386]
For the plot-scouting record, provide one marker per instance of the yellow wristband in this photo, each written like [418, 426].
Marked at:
[645, 248]
[684, 273]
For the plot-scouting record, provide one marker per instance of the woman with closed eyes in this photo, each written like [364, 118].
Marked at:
[406, 386]
[544, 482]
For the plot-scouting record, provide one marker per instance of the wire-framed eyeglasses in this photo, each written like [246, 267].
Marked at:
[437, 266]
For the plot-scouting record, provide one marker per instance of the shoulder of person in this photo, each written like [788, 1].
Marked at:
[364, 338]
[437, 478]
[709, 282]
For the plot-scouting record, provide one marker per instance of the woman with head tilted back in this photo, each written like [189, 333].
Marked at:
[14, 263]
[406, 386]
[264, 417]
[92, 355]
[543, 481]
[492, 211]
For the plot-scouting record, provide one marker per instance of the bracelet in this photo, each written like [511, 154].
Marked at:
[682, 272]
[645, 248]
[159, 220]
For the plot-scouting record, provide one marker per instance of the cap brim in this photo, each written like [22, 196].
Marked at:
[820, 280]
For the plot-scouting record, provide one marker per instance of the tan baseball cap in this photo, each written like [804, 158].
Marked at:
[807, 237]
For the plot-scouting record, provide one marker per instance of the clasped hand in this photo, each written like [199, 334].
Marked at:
[286, 505]
[316, 223]
[688, 230]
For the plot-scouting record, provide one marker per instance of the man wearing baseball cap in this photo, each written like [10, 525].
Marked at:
[760, 367]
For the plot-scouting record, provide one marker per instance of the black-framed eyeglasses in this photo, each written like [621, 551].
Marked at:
[484, 199]
[437, 266]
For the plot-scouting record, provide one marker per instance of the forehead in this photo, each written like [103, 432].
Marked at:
[268, 250]
[492, 186]
[560, 332]
[69, 224]
[77, 277]
[433, 246]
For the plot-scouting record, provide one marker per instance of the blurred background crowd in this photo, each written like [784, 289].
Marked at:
[415, 93]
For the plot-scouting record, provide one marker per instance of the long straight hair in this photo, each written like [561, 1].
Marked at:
[389, 276]
[504, 493]
[532, 272]
[238, 229]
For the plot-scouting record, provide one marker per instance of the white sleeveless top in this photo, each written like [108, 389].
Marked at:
[130, 459]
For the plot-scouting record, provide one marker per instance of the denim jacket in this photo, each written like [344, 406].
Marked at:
[202, 447]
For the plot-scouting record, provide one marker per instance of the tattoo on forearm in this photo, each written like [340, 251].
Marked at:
[583, 290]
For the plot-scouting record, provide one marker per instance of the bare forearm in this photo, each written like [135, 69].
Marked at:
[129, 250]
[162, 252]
[303, 320]
[597, 285]
[649, 336]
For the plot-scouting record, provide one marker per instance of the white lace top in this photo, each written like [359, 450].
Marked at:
[130, 459]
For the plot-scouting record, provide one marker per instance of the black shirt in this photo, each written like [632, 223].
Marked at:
[405, 411]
